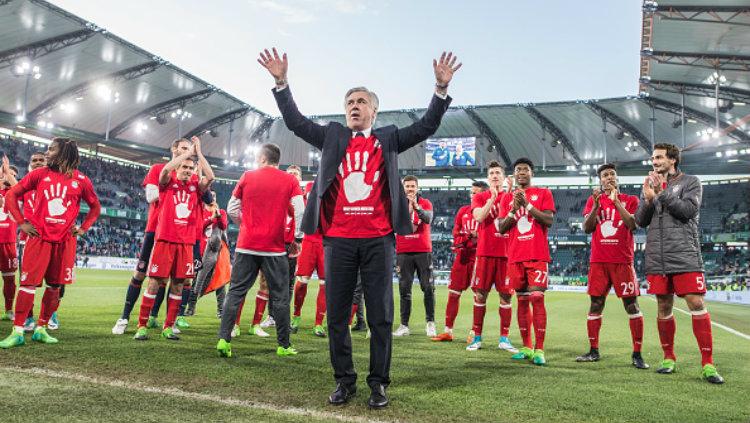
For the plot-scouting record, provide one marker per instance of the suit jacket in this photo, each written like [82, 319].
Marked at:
[332, 139]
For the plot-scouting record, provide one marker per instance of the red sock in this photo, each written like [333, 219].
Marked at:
[239, 312]
[593, 324]
[451, 310]
[506, 316]
[702, 332]
[147, 303]
[479, 312]
[320, 304]
[667, 328]
[9, 290]
[300, 291]
[24, 304]
[523, 313]
[260, 307]
[636, 331]
[355, 307]
[173, 307]
[50, 302]
[540, 319]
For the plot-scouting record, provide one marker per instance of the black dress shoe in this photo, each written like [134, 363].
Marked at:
[342, 394]
[378, 398]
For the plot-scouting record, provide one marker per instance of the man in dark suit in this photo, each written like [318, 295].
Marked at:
[357, 202]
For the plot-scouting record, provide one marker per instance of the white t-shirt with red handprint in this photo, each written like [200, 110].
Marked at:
[358, 204]
[528, 238]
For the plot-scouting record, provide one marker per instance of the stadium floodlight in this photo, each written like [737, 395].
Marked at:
[740, 103]
[718, 154]
[20, 118]
[627, 148]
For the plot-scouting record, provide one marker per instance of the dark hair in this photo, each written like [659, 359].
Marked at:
[604, 167]
[271, 152]
[410, 178]
[481, 185]
[494, 163]
[14, 169]
[37, 153]
[523, 160]
[67, 159]
[672, 152]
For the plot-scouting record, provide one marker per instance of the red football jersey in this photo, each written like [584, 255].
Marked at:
[317, 236]
[265, 195]
[612, 241]
[152, 178]
[463, 226]
[491, 242]
[357, 203]
[179, 211]
[528, 238]
[421, 240]
[7, 224]
[27, 206]
[57, 202]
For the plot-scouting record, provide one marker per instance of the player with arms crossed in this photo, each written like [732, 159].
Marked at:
[609, 218]
[529, 212]
[52, 231]
[465, 247]
[669, 210]
[492, 259]
[172, 256]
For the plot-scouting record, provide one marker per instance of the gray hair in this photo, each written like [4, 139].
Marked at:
[372, 95]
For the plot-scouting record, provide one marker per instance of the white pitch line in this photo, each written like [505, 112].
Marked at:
[214, 399]
[718, 325]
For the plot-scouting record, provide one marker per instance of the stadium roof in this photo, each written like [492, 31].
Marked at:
[104, 90]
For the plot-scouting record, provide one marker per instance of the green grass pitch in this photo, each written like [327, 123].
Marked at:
[431, 382]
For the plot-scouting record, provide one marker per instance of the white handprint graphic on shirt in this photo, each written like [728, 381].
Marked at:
[181, 207]
[523, 221]
[55, 195]
[3, 214]
[355, 186]
[607, 220]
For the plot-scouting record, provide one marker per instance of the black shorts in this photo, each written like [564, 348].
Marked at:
[148, 245]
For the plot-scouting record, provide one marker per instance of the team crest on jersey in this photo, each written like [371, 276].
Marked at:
[154, 268]
[534, 197]
[192, 188]
[175, 186]
[74, 184]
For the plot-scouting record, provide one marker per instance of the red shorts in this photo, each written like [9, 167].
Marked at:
[171, 260]
[489, 271]
[8, 258]
[462, 270]
[52, 261]
[526, 274]
[603, 276]
[677, 283]
[311, 258]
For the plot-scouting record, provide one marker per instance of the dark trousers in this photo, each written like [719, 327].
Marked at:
[407, 264]
[292, 277]
[372, 259]
[359, 301]
[244, 272]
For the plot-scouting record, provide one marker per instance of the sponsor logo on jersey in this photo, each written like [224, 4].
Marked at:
[74, 184]
[192, 188]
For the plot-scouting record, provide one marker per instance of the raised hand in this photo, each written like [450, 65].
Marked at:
[509, 184]
[276, 66]
[444, 68]
[196, 144]
[648, 189]
[596, 195]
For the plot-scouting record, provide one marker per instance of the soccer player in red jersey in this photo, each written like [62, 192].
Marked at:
[492, 259]
[529, 212]
[59, 187]
[465, 233]
[151, 187]
[669, 210]
[37, 160]
[609, 218]
[414, 253]
[172, 256]
[259, 204]
[310, 260]
[8, 251]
